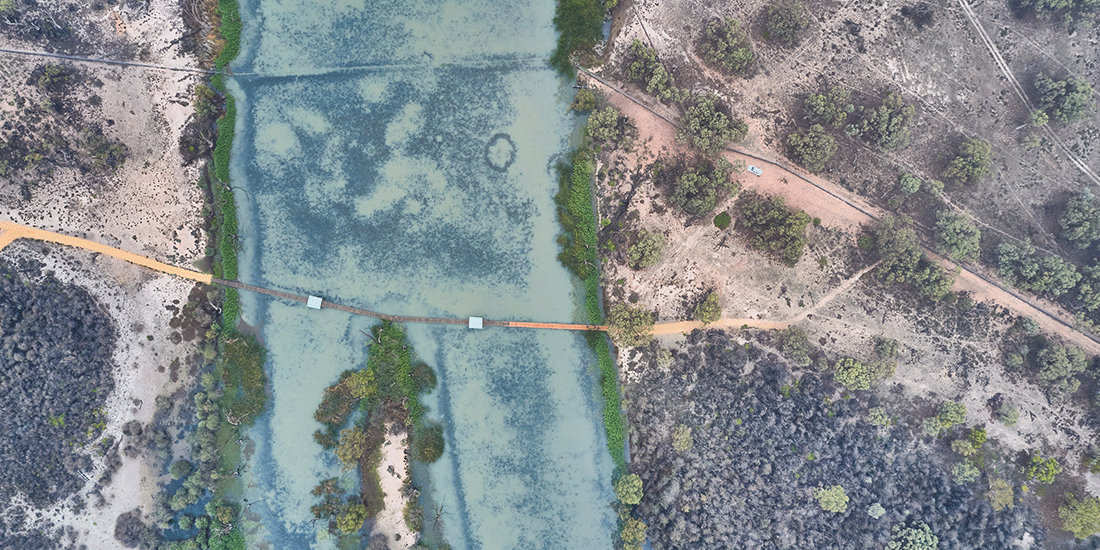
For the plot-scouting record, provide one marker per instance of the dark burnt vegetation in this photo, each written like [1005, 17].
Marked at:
[56, 343]
[763, 442]
[50, 128]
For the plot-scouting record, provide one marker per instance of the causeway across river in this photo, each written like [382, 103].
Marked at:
[11, 231]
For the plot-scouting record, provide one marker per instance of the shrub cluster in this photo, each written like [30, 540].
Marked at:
[772, 226]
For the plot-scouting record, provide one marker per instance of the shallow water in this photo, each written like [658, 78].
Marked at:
[398, 156]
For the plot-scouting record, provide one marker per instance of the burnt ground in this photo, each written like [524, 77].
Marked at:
[756, 427]
[56, 344]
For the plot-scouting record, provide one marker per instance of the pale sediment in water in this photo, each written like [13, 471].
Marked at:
[422, 186]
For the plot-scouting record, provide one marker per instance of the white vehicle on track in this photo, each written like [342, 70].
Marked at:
[754, 170]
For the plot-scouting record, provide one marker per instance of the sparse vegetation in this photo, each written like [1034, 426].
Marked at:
[580, 27]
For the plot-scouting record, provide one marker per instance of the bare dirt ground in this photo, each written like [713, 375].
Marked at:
[150, 205]
[948, 352]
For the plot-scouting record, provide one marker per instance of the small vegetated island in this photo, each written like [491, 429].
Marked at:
[921, 267]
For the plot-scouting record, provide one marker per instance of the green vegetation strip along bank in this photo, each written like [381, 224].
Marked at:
[579, 255]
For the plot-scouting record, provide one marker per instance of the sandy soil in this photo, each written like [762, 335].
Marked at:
[394, 473]
[151, 206]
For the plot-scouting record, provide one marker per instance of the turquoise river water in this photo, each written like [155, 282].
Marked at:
[399, 156]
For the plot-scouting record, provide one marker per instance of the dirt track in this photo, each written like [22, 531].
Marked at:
[837, 208]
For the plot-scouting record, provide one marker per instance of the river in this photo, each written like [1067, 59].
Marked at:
[399, 156]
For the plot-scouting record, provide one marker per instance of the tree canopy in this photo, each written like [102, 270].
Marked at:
[646, 252]
[888, 125]
[725, 46]
[629, 489]
[1064, 100]
[698, 190]
[1059, 365]
[709, 310]
[1020, 266]
[706, 127]
[957, 237]
[580, 26]
[630, 326]
[773, 226]
[1081, 516]
[784, 22]
[971, 163]
[901, 260]
[812, 148]
[1080, 222]
[831, 499]
[912, 536]
[830, 108]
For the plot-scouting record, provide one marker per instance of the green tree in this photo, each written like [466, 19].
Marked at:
[633, 533]
[698, 190]
[888, 125]
[580, 26]
[352, 446]
[964, 447]
[971, 163]
[773, 227]
[957, 237]
[709, 310]
[876, 511]
[784, 22]
[585, 101]
[1041, 470]
[353, 517]
[681, 438]
[1081, 517]
[1060, 365]
[630, 326]
[181, 468]
[830, 108]
[877, 416]
[629, 489]
[964, 472]
[795, 344]
[812, 148]
[951, 414]
[908, 183]
[646, 251]
[855, 375]
[1080, 221]
[726, 47]
[609, 126]
[1064, 100]
[1019, 266]
[912, 536]
[899, 250]
[645, 70]
[831, 499]
[999, 495]
[706, 127]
